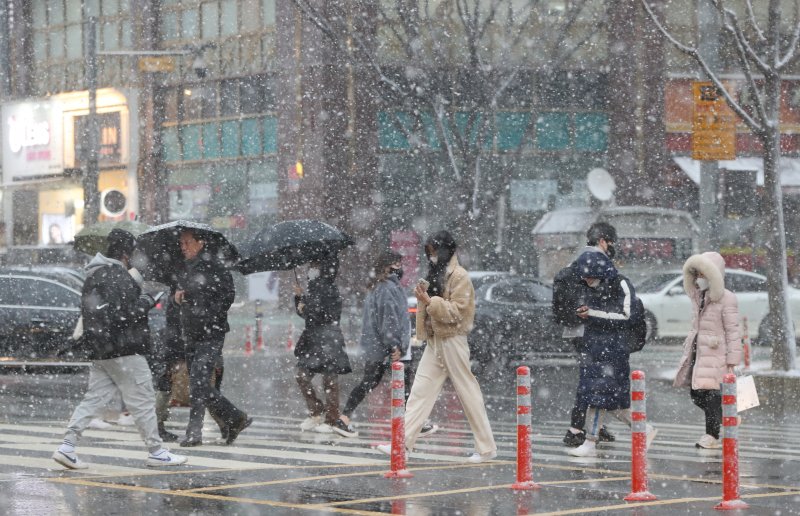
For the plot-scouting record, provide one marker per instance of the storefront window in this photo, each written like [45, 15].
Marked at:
[591, 132]
[552, 131]
[169, 25]
[192, 142]
[269, 12]
[172, 150]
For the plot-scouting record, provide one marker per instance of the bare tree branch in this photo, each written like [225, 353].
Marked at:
[695, 54]
[748, 4]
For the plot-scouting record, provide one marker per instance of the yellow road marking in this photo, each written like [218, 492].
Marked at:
[656, 502]
[205, 496]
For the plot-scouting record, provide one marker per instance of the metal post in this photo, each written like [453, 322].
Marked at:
[708, 33]
[91, 197]
[5, 60]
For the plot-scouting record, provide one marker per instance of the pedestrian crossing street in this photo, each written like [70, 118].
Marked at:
[277, 442]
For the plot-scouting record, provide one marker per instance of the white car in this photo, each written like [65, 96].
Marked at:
[669, 310]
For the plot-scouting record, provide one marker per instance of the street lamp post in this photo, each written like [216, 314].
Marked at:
[90, 136]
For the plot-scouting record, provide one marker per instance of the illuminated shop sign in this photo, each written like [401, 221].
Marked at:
[32, 141]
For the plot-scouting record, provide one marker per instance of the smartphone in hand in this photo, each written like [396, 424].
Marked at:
[158, 296]
[423, 283]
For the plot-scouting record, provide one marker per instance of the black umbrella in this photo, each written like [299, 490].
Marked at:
[289, 244]
[159, 254]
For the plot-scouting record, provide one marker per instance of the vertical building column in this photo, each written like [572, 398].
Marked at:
[151, 173]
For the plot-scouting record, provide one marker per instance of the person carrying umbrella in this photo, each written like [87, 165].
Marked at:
[320, 349]
[206, 293]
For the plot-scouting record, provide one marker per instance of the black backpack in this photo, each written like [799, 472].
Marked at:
[637, 333]
[567, 292]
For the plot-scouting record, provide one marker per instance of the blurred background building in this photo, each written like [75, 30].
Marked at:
[243, 112]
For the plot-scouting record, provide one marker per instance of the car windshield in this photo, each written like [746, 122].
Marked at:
[656, 282]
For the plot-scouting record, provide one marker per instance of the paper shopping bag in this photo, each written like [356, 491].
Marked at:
[746, 395]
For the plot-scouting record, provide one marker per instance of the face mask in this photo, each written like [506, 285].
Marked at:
[434, 259]
[313, 274]
[611, 251]
[397, 272]
[701, 283]
[593, 283]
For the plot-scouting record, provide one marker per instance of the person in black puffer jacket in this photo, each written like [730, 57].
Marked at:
[320, 349]
[205, 295]
[115, 330]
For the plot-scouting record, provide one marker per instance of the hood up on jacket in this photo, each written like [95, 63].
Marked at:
[595, 264]
[100, 260]
[712, 265]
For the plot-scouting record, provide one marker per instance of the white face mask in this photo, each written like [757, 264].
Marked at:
[313, 273]
[701, 283]
[434, 259]
[593, 283]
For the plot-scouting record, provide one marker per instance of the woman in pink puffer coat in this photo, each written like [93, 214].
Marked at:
[713, 346]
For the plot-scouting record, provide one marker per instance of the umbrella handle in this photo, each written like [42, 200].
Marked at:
[296, 281]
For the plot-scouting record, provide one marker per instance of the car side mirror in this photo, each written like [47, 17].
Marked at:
[676, 291]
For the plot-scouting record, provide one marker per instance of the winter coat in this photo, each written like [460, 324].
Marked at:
[208, 294]
[454, 312]
[385, 322]
[715, 329]
[568, 294]
[320, 348]
[605, 371]
[114, 311]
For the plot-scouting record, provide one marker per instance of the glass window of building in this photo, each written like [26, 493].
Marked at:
[268, 7]
[171, 105]
[39, 15]
[251, 15]
[229, 21]
[74, 41]
[91, 7]
[208, 101]
[127, 31]
[190, 24]
[210, 15]
[74, 11]
[229, 97]
[110, 35]
[110, 7]
[40, 46]
[169, 25]
[56, 44]
[56, 16]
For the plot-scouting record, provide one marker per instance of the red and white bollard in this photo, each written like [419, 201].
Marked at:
[248, 345]
[639, 492]
[730, 448]
[524, 454]
[398, 456]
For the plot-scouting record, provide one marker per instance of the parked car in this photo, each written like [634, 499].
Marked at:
[513, 317]
[669, 310]
[39, 307]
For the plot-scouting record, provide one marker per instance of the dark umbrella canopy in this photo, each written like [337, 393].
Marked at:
[159, 256]
[289, 244]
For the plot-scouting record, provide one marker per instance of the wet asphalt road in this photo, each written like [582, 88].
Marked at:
[275, 469]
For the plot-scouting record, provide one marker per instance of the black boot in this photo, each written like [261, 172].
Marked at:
[166, 436]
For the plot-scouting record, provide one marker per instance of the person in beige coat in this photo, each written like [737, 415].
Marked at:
[445, 315]
[713, 346]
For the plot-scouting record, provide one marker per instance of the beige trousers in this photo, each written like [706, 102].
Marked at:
[443, 359]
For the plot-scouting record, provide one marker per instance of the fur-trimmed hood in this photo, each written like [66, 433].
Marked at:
[712, 265]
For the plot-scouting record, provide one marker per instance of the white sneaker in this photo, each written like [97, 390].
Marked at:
[99, 424]
[708, 442]
[69, 460]
[428, 429]
[477, 458]
[384, 448]
[310, 422]
[163, 457]
[323, 428]
[587, 449]
[125, 420]
[650, 435]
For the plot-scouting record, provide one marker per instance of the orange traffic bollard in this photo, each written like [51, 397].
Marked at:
[524, 453]
[639, 492]
[398, 456]
[730, 448]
